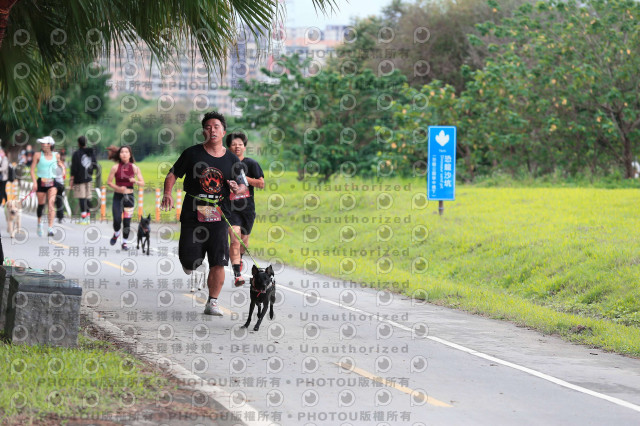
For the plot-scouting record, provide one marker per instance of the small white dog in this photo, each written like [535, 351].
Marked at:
[13, 214]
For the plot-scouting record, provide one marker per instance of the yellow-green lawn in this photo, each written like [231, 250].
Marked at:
[562, 260]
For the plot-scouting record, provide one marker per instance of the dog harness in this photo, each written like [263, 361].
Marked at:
[267, 288]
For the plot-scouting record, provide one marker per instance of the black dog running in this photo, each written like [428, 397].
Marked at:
[143, 233]
[263, 294]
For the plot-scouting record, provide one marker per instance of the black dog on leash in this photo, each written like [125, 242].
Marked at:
[143, 233]
[263, 294]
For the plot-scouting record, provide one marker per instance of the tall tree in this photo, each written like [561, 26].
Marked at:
[558, 93]
[569, 71]
[47, 41]
[63, 115]
[325, 122]
[425, 39]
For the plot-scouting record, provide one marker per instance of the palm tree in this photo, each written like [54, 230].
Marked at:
[46, 42]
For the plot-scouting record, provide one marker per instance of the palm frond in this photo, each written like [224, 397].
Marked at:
[71, 34]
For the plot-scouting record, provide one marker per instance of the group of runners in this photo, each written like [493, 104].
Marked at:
[219, 204]
[219, 184]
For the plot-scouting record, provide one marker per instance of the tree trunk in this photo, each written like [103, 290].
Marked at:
[470, 165]
[5, 8]
[627, 157]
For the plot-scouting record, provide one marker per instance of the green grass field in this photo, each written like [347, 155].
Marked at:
[60, 383]
[565, 261]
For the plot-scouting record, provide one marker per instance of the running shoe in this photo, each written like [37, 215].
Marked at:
[239, 281]
[212, 308]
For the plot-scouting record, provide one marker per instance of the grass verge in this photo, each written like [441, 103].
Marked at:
[561, 260]
[94, 381]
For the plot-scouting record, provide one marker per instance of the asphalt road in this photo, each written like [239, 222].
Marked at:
[338, 353]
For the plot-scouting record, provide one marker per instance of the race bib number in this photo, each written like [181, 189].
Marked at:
[245, 194]
[46, 183]
[208, 214]
[127, 213]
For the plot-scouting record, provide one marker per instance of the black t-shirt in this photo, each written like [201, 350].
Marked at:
[83, 162]
[205, 176]
[245, 202]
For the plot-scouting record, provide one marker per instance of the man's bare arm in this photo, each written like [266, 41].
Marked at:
[167, 199]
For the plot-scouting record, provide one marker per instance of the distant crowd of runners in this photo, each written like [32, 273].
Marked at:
[217, 214]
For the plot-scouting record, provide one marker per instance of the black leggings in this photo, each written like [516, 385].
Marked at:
[120, 201]
[60, 202]
[3, 190]
[84, 205]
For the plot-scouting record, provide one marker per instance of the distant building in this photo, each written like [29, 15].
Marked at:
[189, 81]
[316, 43]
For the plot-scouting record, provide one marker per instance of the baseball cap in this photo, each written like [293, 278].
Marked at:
[47, 139]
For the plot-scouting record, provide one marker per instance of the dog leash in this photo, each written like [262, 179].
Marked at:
[27, 196]
[215, 203]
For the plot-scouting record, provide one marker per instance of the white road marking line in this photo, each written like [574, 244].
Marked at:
[473, 352]
[478, 354]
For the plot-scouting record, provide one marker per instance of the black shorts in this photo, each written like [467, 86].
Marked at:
[200, 239]
[243, 219]
[43, 188]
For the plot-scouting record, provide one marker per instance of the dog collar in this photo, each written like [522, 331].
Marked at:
[271, 284]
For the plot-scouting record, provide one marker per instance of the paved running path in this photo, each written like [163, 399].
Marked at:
[338, 353]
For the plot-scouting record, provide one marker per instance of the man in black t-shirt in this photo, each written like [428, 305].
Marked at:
[209, 179]
[243, 207]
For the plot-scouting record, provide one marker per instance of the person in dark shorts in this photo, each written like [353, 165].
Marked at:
[209, 179]
[58, 179]
[243, 207]
[126, 174]
[43, 169]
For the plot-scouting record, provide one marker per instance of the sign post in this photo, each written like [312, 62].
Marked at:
[441, 180]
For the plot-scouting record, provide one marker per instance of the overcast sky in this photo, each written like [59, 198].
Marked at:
[300, 13]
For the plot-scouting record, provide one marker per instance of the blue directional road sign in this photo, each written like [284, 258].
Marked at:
[441, 180]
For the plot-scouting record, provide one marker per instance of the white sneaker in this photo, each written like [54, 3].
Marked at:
[212, 308]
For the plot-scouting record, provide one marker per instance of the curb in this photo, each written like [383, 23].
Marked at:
[235, 403]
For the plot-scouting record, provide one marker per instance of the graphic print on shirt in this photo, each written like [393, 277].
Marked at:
[211, 181]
